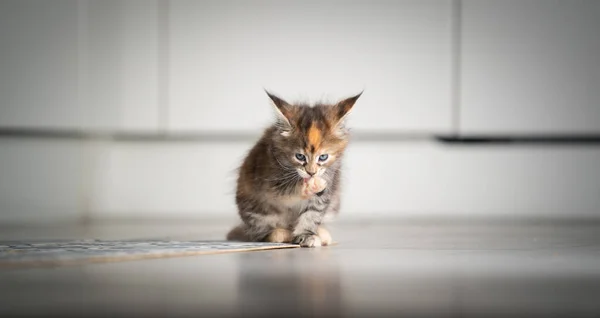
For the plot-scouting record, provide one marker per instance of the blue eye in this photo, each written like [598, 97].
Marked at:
[300, 157]
[323, 157]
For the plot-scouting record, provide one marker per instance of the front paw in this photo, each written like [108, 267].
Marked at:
[313, 186]
[307, 240]
[318, 184]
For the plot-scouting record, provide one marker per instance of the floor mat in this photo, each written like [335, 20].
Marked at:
[58, 253]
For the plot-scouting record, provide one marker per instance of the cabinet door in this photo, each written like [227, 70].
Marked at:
[222, 54]
[68, 64]
[120, 45]
[39, 64]
[530, 67]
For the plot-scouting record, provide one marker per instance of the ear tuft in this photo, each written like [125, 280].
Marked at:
[344, 107]
[341, 111]
[283, 111]
[279, 102]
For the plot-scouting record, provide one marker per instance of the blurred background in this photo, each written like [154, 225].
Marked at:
[142, 110]
[124, 119]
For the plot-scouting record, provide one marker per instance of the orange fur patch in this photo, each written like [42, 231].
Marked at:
[314, 136]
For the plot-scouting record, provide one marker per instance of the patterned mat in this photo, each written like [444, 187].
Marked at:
[57, 253]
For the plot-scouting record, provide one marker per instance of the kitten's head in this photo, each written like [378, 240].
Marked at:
[310, 139]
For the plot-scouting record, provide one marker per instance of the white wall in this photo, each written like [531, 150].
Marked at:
[38, 64]
[164, 180]
[222, 53]
[530, 67]
[156, 68]
[79, 65]
[187, 66]
[120, 64]
[62, 180]
[41, 181]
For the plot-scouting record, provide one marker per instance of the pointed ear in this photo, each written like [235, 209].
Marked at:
[284, 113]
[343, 108]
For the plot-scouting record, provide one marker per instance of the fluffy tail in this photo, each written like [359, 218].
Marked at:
[237, 234]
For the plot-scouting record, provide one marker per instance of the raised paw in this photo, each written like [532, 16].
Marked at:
[312, 186]
[318, 184]
[307, 240]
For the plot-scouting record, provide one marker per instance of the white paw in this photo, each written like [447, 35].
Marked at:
[317, 184]
[312, 186]
[324, 236]
[307, 240]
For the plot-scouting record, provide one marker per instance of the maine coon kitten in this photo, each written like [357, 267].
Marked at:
[290, 180]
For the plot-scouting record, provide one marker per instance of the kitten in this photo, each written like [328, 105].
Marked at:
[290, 180]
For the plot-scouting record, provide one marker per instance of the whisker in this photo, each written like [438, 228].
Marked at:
[285, 176]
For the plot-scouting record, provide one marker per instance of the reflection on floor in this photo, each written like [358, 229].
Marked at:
[379, 269]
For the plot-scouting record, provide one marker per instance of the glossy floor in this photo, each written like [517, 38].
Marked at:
[408, 269]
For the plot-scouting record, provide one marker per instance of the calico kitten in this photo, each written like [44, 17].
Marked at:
[290, 180]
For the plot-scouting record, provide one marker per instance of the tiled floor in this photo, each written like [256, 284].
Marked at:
[380, 269]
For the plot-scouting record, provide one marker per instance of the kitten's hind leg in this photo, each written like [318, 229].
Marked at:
[238, 233]
[280, 235]
[324, 235]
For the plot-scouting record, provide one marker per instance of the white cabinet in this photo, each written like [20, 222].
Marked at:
[39, 64]
[41, 181]
[222, 54]
[120, 45]
[530, 67]
[88, 64]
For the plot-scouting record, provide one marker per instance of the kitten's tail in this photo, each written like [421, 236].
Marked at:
[237, 234]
